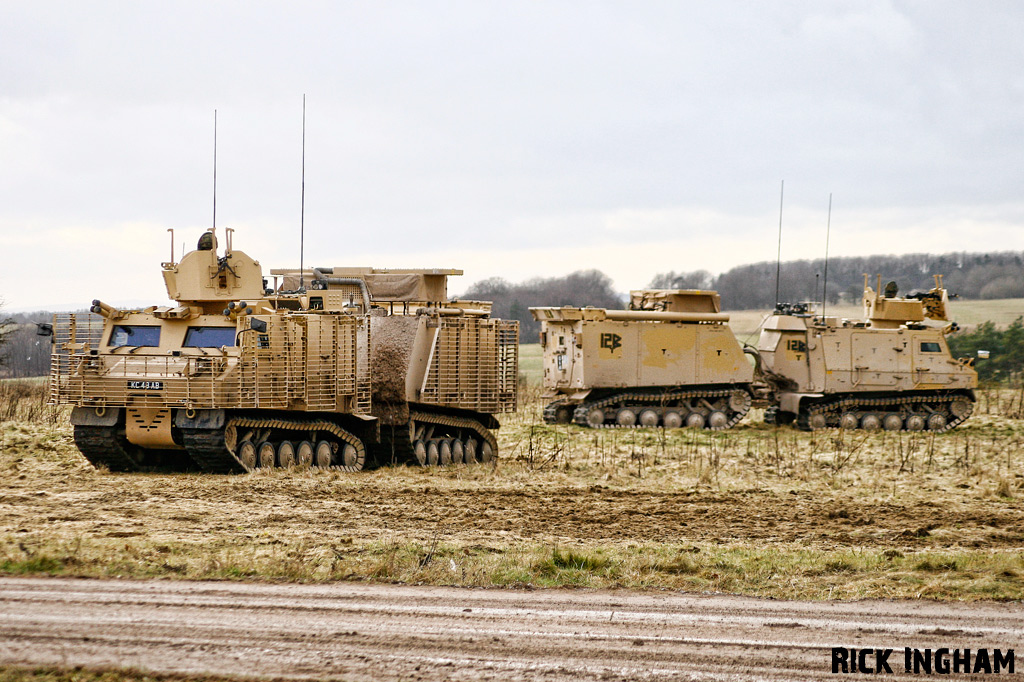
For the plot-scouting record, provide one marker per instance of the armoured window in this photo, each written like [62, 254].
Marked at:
[930, 347]
[209, 337]
[134, 335]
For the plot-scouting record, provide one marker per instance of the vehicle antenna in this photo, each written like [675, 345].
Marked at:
[828, 229]
[215, 168]
[778, 259]
[302, 209]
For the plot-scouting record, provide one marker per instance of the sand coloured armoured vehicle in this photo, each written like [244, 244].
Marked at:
[669, 360]
[889, 370]
[440, 368]
[238, 375]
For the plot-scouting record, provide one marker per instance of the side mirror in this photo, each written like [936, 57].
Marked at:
[44, 329]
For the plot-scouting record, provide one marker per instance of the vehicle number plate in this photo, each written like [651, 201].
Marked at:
[146, 385]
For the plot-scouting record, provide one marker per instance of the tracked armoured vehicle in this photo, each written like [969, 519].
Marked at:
[889, 370]
[670, 360]
[364, 367]
[439, 369]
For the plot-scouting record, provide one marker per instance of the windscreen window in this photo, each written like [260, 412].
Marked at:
[135, 335]
[209, 337]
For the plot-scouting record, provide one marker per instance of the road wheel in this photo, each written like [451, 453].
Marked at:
[247, 454]
[595, 417]
[432, 454]
[892, 422]
[419, 449]
[625, 417]
[458, 452]
[304, 455]
[849, 421]
[695, 420]
[915, 422]
[470, 451]
[444, 452]
[649, 418]
[350, 458]
[672, 420]
[563, 414]
[936, 422]
[870, 422]
[486, 453]
[323, 454]
[285, 454]
[266, 453]
[717, 420]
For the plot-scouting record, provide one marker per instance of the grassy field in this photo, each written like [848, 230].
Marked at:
[530, 357]
[755, 510]
[968, 314]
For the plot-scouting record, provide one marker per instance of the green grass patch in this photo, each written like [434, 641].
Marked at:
[531, 360]
[785, 572]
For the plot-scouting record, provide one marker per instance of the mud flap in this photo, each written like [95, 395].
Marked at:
[95, 416]
[199, 419]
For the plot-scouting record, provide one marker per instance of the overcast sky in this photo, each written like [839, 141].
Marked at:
[512, 139]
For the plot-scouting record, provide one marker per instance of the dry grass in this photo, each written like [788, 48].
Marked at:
[781, 572]
[26, 400]
[985, 453]
[756, 510]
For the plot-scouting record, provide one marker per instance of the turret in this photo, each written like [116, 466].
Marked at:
[884, 309]
[676, 300]
[210, 281]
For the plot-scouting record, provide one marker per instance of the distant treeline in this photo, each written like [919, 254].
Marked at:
[513, 301]
[747, 287]
[751, 287]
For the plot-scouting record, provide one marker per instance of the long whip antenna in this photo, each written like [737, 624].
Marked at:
[828, 230]
[214, 168]
[302, 209]
[778, 258]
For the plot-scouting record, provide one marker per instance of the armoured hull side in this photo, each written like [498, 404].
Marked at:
[587, 355]
[830, 360]
[857, 376]
[649, 368]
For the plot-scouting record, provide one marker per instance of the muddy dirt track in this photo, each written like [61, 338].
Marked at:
[376, 632]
